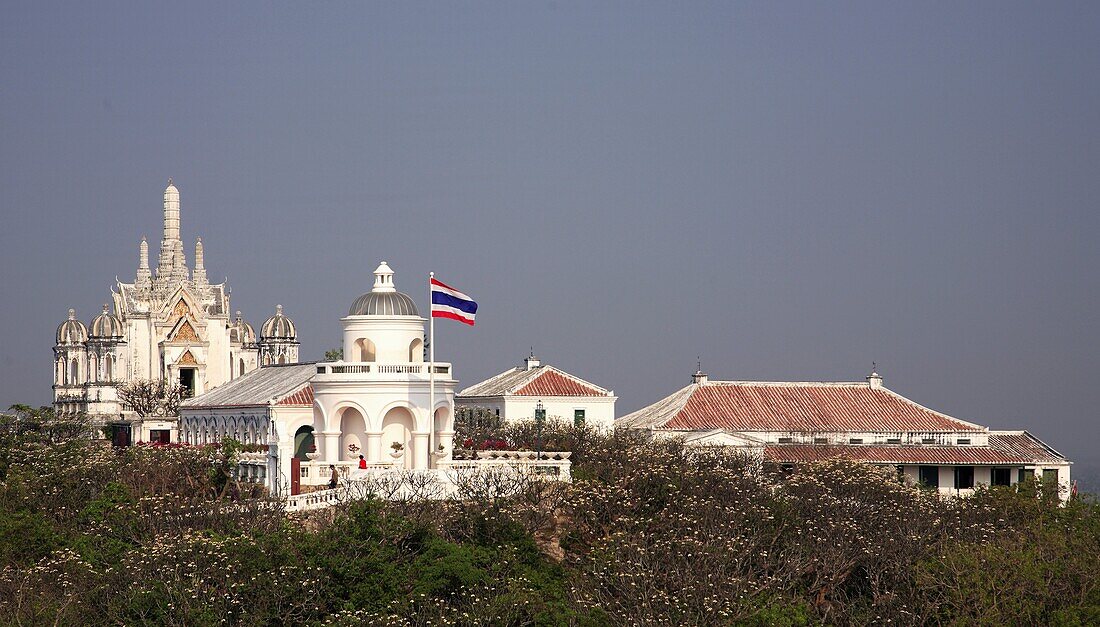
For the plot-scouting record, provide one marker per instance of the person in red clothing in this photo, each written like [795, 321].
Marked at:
[362, 463]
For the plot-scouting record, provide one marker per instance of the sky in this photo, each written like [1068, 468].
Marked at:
[783, 191]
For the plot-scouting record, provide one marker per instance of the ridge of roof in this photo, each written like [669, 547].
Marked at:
[511, 381]
[860, 408]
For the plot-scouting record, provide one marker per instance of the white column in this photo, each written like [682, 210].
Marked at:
[332, 446]
[374, 447]
[420, 450]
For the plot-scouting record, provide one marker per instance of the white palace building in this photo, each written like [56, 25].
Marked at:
[315, 415]
[791, 423]
[169, 324]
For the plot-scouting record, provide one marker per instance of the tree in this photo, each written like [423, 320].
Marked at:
[335, 354]
[152, 398]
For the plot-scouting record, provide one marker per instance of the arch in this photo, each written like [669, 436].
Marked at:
[240, 363]
[231, 375]
[74, 372]
[443, 421]
[109, 368]
[365, 350]
[416, 351]
[267, 360]
[398, 426]
[353, 434]
[303, 440]
[93, 370]
[282, 359]
[59, 371]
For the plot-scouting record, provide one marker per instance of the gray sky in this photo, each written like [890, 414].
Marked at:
[789, 191]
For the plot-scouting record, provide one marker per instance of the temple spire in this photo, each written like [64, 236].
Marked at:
[171, 265]
[199, 275]
[144, 277]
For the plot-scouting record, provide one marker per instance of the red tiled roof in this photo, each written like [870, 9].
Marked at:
[303, 396]
[550, 383]
[794, 407]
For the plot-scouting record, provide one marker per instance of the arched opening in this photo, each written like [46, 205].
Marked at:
[353, 434]
[108, 368]
[397, 426]
[416, 351]
[303, 442]
[59, 372]
[231, 375]
[74, 372]
[282, 359]
[92, 368]
[267, 360]
[364, 350]
[240, 364]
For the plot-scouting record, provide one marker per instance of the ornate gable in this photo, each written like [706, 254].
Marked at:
[185, 333]
[187, 359]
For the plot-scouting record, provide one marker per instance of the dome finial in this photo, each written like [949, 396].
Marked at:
[383, 278]
[72, 314]
[278, 310]
[105, 309]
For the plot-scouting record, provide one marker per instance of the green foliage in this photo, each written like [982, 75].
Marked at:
[648, 533]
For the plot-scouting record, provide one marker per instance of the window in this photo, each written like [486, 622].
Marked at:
[964, 477]
[855, 440]
[1050, 475]
[786, 440]
[1001, 476]
[160, 436]
[893, 440]
[928, 440]
[1026, 474]
[821, 440]
[578, 417]
[964, 441]
[929, 476]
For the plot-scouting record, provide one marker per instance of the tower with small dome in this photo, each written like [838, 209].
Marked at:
[169, 323]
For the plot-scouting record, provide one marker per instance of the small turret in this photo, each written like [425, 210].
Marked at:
[144, 279]
[874, 379]
[199, 275]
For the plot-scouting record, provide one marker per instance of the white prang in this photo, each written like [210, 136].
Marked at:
[169, 324]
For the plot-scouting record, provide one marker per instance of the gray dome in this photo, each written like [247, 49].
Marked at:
[383, 304]
[278, 327]
[106, 325]
[241, 332]
[72, 331]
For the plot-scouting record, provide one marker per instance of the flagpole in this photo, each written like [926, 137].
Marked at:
[431, 373]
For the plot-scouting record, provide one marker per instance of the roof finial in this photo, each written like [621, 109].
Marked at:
[105, 308]
[874, 380]
[72, 314]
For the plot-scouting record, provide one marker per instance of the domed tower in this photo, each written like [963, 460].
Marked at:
[278, 340]
[379, 402]
[70, 364]
[384, 325]
[106, 347]
[243, 350]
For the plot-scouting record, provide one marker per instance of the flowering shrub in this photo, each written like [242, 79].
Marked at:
[648, 533]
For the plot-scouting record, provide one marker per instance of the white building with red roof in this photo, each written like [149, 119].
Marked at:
[514, 394]
[793, 423]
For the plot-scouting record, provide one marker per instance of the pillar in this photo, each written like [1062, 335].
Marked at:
[374, 446]
[420, 450]
[332, 446]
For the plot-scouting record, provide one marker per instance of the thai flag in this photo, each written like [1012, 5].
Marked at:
[447, 302]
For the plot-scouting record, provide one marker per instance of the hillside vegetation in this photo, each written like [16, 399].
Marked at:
[648, 533]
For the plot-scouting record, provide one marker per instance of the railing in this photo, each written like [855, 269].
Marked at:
[390, 481]
[377, 368]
